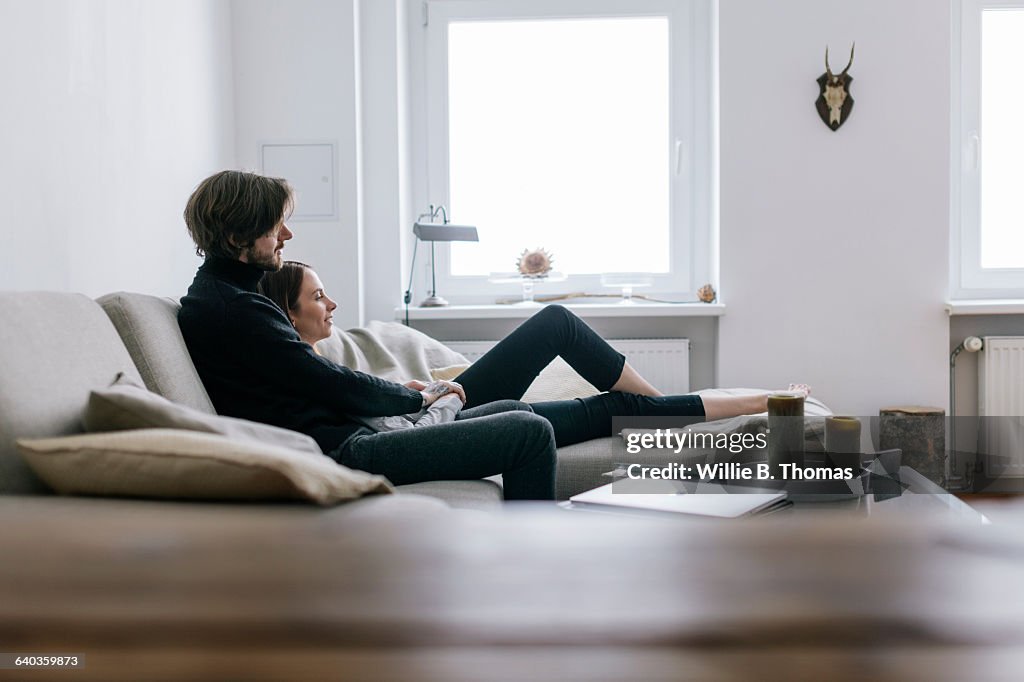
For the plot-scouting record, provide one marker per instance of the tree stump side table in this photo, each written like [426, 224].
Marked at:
[920, 432]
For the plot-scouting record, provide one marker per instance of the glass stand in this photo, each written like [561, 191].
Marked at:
[528, 284]
[626, 283]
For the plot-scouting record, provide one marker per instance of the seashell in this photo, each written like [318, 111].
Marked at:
[707, 294]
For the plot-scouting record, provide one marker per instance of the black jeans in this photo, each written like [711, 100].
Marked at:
[504, 437]
[496, 433]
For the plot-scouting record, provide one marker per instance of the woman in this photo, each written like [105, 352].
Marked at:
[296, 289]
[494, 384]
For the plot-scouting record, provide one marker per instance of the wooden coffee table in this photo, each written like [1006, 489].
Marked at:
[185, 591]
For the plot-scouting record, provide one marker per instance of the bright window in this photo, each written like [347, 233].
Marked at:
[583, 128]
[988, 152]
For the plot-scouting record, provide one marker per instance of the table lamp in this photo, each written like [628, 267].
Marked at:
[433, 232]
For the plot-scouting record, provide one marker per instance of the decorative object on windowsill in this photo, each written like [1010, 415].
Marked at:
[528, 283]
[707, 294]
[834, 101]
[535, 263]
[432, 232]
[626, 282]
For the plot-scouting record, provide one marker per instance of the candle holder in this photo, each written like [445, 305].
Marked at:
[842, 442]
[785, 431]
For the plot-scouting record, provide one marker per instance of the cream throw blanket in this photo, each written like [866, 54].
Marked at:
[392, 351]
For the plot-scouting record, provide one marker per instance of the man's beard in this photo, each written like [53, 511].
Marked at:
[271, 263]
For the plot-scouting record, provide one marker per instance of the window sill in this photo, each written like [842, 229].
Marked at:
[1001, 306]
[584, 310]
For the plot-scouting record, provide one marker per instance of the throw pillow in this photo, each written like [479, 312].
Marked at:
[170, 463]
[447, 373]
[128, 405]
[558, 381]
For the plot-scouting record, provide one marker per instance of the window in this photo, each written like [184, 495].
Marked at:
[584, 128]
[988, 152]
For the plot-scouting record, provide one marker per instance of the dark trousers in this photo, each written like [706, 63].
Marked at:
[496, 433]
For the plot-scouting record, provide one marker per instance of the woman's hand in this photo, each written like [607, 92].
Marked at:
[415, 385]
[437, 389]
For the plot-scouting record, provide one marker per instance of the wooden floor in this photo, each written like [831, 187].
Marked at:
[217, 592]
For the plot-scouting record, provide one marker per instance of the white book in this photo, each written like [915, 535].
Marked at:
[709, 500]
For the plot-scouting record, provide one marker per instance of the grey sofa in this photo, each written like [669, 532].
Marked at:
[57, 347]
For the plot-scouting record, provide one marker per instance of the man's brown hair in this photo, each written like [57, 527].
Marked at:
[230, 210]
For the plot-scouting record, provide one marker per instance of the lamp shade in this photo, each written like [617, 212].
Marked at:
[437, 232]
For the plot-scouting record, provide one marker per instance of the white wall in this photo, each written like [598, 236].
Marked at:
[296, 67]
[384, 154]
[112, 111]
[834, 245]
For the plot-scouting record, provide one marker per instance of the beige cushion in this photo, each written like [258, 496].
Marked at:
[558, 381]
[482, 495]
[148, 325]
[185, 464]
[448, 373]
[127, 405]
[54, 349]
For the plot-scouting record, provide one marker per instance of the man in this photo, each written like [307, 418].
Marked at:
[255, 366]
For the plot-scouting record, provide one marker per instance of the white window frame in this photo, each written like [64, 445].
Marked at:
[968, 279]
[692, 137]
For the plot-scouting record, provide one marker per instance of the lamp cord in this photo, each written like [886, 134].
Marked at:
[408, 290]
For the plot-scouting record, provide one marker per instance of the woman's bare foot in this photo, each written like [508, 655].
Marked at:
[802, 389]
[724, 407]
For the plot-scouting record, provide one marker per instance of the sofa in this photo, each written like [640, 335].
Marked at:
[55, 348]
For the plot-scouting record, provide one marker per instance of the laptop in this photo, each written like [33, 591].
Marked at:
[707, 499]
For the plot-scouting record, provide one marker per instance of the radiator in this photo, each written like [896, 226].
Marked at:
[1001, 405]
[663, 362]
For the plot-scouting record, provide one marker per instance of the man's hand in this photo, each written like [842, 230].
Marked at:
[415, 385]
[436, 389]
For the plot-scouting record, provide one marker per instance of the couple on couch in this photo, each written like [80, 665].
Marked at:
[251, 322]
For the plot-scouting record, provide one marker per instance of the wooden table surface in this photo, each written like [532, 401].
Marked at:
[164, 590]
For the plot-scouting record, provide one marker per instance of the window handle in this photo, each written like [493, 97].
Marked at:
[972, 154]
[680, 151]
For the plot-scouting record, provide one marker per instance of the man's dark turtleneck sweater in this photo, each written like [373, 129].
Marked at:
[255, 366]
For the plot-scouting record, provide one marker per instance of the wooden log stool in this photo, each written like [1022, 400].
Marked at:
[920, 432]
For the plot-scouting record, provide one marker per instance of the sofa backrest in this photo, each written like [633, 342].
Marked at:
[148, 325]
[54, 349]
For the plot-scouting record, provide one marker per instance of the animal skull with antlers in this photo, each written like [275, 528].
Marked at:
[834, 101]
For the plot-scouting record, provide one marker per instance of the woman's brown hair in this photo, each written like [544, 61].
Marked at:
[284, 286]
